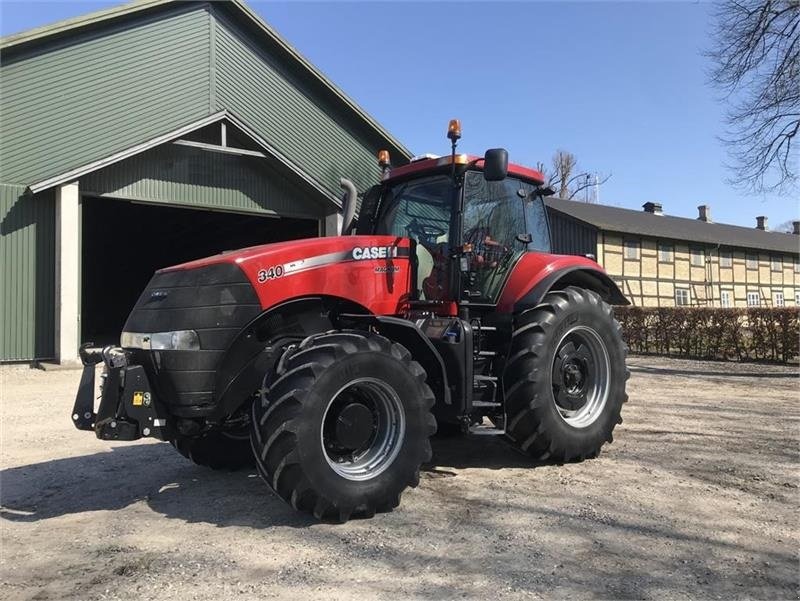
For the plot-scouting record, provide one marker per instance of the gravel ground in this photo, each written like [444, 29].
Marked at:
[696, 498]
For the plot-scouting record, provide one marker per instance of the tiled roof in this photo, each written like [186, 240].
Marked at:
[627, 221]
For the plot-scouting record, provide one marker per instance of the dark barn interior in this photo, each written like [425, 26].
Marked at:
[125, 242]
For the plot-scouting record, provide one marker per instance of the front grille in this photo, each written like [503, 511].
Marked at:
[216, 301]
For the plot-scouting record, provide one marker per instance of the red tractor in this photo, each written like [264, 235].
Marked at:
[329, 362]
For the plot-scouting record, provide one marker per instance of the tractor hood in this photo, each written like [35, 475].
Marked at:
[203, 305]
[372, 271]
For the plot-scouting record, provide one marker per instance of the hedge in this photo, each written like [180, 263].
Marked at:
[753, 334]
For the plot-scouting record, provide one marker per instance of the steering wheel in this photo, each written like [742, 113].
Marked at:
[428, 233]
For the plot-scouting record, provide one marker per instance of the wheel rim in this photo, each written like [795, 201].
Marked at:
[580, 376]
[362, 429]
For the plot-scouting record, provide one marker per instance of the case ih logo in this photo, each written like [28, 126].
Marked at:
[374, 252]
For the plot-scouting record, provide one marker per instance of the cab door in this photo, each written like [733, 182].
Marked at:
[501, 221]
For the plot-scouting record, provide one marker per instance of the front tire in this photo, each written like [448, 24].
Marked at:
[565, 377]
[345, 425]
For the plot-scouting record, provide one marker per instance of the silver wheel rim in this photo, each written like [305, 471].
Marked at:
[389, 426]
[579, 376]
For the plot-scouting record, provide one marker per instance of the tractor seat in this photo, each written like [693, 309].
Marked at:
[425, 266]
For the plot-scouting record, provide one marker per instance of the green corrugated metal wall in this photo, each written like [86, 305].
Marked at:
[71, 104]
[264, 95]
[192, 177]
[68, 102]
[27, 293]
[68, 106]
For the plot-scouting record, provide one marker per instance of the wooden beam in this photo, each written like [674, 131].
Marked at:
[222, 149]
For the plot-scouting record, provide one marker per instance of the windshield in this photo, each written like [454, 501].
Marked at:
[418, 209]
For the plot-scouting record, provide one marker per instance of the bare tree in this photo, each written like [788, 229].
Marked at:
[564, 179]
[787, 227]
[756, 60]
[563, 164]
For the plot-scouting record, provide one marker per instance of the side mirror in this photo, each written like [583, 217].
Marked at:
[495, 164]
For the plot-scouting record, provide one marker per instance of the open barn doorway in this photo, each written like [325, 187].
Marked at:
[125, 242]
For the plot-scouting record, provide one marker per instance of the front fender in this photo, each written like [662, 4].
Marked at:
[418, 344]
[259, 344]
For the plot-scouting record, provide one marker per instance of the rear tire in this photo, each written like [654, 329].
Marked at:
[216, 450]
[565, 377]
[344, 427]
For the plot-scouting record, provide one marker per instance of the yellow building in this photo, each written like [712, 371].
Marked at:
[660, 260]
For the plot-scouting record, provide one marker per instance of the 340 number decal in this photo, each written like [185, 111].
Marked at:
[270, 273]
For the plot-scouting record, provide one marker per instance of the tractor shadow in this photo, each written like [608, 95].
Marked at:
[154, 474]
[142, 473]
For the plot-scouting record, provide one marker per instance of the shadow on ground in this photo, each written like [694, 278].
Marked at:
[152, 473]
[170, 485]
[700, 373]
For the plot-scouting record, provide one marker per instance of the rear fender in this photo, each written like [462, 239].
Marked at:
[583, 277]
[261, 342]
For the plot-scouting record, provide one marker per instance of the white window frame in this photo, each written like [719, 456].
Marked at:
[688, 297]
[751, 261]
[628, 245]
[725, 258]
[668, 250]
[776, 261]
[726, 299]
[697, 257]
[753, 296]
[778, 300]
[797, 264]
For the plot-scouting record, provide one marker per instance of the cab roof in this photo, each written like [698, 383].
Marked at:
[439, 163]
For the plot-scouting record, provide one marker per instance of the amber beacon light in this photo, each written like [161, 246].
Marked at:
[384, 160]
[454, 130]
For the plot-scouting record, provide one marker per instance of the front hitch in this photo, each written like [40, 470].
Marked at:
[128, 408]
[83, 411]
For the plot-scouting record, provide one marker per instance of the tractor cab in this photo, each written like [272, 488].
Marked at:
[470, 219]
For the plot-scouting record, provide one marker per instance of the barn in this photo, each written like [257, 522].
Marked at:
[151, 134]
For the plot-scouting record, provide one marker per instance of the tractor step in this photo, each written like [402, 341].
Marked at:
[484, 404]
[486, 430]
[484, 391]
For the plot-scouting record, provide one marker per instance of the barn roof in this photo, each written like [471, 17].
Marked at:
[193, 60]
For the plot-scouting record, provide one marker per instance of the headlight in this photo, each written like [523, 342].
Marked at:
[180, 340]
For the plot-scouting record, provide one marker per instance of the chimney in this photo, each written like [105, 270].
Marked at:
[761, 223]
[796, 228]
[653, 207]
[704, 213]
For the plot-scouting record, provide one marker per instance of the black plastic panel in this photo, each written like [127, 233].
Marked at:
[216, 301]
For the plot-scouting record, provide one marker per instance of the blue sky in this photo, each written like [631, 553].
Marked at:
[621, 85]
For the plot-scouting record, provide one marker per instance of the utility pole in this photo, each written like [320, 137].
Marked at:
[586, 187]
[596, 189]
